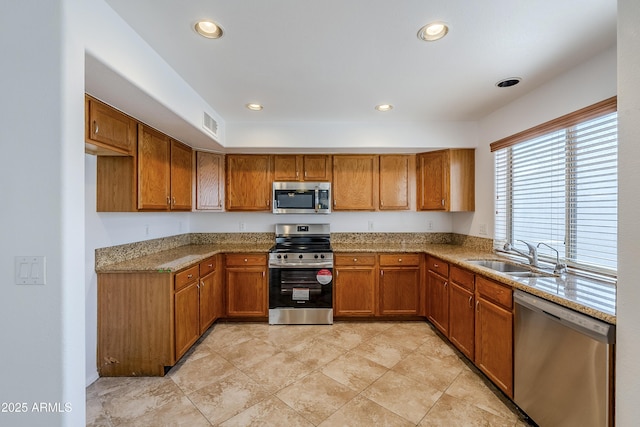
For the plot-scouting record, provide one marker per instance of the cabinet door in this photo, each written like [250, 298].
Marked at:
[209, 178]
[181, 172]
[433, 182]
[399, 291]
[355, 292]
[394, 182]
[494, 343]
[187, 327]
[355, 182]
[438, 301]
[316, 167]
[108, 128]
[286, 168]
[248, 183]
[153, 169]
[462, 319]
[247, 292]
[207, 301]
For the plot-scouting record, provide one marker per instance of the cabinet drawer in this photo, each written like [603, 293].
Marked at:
[495, 292]
[463, 278]
[207, 266]
[355, 259]
[241, 260]
[185, 277]
[439, 266]
[400, 259]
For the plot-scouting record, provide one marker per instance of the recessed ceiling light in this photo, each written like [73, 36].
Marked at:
[254, 107]
[384, 107]
[511, 81]
[433, 31]
[209, 29]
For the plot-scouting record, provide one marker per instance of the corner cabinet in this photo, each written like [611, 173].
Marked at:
[248, 182]
[446, 180]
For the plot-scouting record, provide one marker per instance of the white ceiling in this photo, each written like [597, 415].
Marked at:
[334, 60]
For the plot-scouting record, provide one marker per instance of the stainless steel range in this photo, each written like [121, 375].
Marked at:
[301, 275]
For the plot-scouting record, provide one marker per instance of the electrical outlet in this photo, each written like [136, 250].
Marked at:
[430, 225]
[370, 225]
[242, 226]
[146, 229]
[483, 229]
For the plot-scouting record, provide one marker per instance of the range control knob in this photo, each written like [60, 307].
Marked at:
[316, 256]
[322, 256]
[285, 257]
[300, 256]
[279, 256]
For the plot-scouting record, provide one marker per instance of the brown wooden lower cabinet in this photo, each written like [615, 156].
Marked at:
[438, 294]
[462, 310]
[246, 285]
[494, 333]
[354, 290]
[147, 321]
[399, 286]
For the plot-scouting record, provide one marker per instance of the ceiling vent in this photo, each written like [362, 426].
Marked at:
[210, 124]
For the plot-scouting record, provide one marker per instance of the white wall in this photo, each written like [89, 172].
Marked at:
[42, 326]
[581, 86]
[628, 333]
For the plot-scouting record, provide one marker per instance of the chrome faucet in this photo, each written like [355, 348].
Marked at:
[559, 268]
[532, 256]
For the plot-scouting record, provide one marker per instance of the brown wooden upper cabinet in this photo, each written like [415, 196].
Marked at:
[107, 130]
[397, 177]
[209, 180]
[446, 180]
[248, 182]
[308, 167]
[164, 172]
[355, 182]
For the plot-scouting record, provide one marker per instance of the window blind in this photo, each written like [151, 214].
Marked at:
[560, 188]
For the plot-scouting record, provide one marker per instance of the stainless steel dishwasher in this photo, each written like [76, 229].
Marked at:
[563, 364]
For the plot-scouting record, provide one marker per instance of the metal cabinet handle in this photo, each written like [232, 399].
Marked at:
[168, 200]
[201, 283]
[96, 128]
[268, 203]
[478, 306]
[471, 301]
[381, 203]
[435, 266]
[210, 265]
[445, 284]
[189, 276]
[246, 260]
[399, 259]
[442, 202]
[381, 272]
[174, 200]
[355, 260]
[334, 202]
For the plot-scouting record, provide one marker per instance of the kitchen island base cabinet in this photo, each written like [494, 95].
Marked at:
[247, 288]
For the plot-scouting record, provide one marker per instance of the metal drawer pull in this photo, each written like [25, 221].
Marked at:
[435, 266]
[246, 260]
[210, 265]
[189, 276]
[355, 260]
[399, 259]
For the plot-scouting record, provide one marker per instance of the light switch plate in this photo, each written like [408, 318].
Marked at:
[30, 270]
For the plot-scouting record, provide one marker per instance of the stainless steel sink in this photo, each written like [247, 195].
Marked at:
[509, 268]
[501, 266]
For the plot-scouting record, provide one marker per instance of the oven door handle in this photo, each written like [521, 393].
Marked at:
[301, 265]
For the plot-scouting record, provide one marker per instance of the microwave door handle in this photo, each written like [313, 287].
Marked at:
[317, 199]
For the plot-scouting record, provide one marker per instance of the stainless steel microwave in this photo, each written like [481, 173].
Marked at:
[301, 197]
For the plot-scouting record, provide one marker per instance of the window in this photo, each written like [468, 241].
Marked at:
[558, 185]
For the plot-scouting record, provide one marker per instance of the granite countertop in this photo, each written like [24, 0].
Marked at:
[596, 298]
[179, 258]
[593, 297]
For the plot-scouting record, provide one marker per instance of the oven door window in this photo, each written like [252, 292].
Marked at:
[300, 287]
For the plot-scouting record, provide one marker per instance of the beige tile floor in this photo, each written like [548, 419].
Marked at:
[346, 374]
